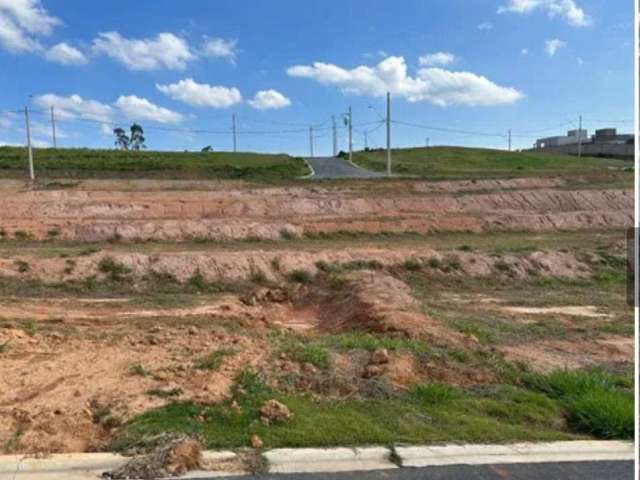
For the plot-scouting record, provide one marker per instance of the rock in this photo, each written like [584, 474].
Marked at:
[235, 408]
[309, 368]
[256, 441]
[277, 295]
[192, 330]
[183, 457]
[372, 371]
[380, 356]
[274, 412]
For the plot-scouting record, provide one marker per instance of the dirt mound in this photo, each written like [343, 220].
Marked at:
[66, 385]
[379, 303]
[171, 460]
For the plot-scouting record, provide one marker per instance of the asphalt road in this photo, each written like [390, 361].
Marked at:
[334, 167]
[523, 471]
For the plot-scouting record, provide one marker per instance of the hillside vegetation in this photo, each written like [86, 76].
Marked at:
[84, 162]
[457, 162]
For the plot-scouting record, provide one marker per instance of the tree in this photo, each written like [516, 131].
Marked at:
[122, 140]
[137, 137]
[134, 141]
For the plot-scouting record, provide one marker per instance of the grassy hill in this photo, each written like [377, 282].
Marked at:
[72, 162]
[458, 162]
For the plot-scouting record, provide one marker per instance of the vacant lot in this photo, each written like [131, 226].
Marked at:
[454, 162]
[485, 309]
[88, 163]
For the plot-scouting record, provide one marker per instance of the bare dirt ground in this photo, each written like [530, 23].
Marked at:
[89, 339]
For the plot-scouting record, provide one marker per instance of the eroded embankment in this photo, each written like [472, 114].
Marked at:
[242, 265]
[267, 213]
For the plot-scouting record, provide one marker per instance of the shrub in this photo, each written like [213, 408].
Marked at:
[300, 276]
[412, 264]
[595, 402]
[112, 269]
[54, 232]
[23, 267]
[435, 263]
[433, 393]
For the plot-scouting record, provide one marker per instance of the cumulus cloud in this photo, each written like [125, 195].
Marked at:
[553, 45]
[566, 9]
[437, 59]
[137, 108]
[269, 100]
[75, 106]
[201, 94]
[164, 51]
[434, 85]
[65, 54]
[22, 22]
[220, 48]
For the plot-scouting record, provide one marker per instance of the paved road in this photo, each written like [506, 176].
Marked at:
[333, 167]
[524, 471]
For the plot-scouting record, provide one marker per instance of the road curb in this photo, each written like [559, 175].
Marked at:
[89, 466]
[313, 460]
[309, 175]
[573, 451]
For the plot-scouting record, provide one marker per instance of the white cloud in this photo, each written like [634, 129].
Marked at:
[567, 9]
[485, 26]
[220, 48]
[201, 94]
[269, 100]
[21, 22]
[65, 54]
[75, 106]
[137, 108]
[166, 50]
[434, 85]
[553, 45]
[437, 59]
[5, 122]
[524, 51]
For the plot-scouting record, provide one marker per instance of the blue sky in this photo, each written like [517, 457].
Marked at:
[180, 68]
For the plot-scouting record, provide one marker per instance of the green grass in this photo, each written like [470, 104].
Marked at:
[214, 360]
[427, 414]
[595, 402]
[91, 162]
[301, 349]
[459, 162]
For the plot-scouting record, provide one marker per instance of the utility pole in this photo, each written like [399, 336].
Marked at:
[53, 128]
[311, 142]
[350, 137]
[427, 142]
[580, 138]
[26, 118]
[366, 143]
[509, 139]
[233, 126]
[335, 138]
[388, 134]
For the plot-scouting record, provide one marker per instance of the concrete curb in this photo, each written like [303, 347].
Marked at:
[308, 460]
[89, 466]
[574, 451]
[309, 175]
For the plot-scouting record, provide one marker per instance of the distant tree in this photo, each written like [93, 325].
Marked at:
[137, 137]
[122, 140]
[208, 148]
